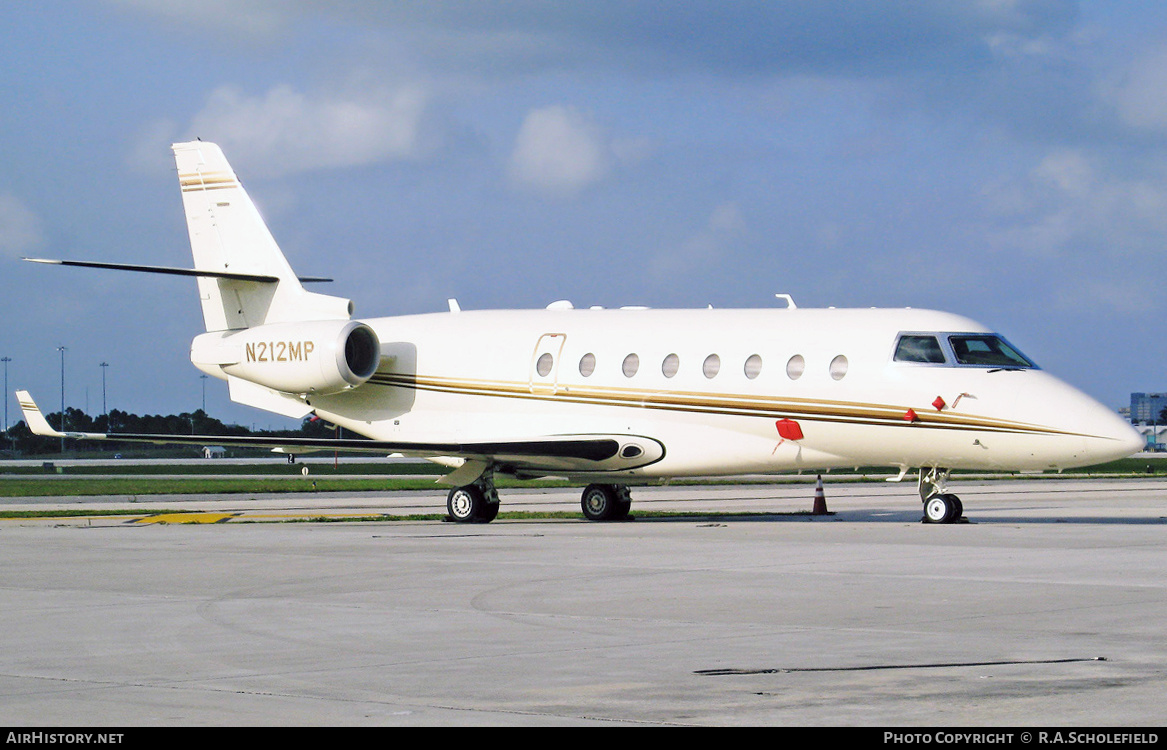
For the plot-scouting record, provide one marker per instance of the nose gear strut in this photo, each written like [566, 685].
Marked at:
[940, 506]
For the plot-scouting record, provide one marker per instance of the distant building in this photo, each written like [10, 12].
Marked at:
[1156, 437]
[1146, 407]
[214, 451]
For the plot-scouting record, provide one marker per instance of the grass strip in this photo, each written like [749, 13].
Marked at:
[81, 513]
[67, 487]
[69, 483]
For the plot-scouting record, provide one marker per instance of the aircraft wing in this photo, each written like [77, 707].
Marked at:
[537, 455]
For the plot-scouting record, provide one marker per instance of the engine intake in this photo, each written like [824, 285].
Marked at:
[322, 357]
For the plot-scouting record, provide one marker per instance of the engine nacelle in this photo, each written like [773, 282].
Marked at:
[326, 356]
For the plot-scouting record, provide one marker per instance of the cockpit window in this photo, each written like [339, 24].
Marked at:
[919, 349]
[987, 350]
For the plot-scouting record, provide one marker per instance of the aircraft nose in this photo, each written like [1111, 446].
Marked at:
[1104, 435]
[1134, 443]
[1115, 438]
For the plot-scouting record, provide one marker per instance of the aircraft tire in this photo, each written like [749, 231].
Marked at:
[939, 509]
[957, 509]
[601, 502]
[468, 505]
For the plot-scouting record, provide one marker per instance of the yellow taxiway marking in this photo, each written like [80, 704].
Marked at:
[189, 518]
[307, 515]
[240, 516]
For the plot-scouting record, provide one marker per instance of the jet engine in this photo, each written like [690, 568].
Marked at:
[326, 356]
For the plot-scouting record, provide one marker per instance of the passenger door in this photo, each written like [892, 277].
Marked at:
[544, 372]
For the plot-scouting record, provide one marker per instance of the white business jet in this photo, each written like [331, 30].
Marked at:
[613, 397]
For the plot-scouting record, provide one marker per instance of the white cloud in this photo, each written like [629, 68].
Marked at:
[262, 17]
[285, 131]
[1071, 204]
[489, 36]
[1067, 170]
[705, 248]
[1139, 97]
[559, 149]
[20, 228]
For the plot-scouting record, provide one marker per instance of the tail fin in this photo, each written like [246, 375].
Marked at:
[227, 234]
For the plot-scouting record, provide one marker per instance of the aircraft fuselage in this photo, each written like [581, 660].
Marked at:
[713, 386]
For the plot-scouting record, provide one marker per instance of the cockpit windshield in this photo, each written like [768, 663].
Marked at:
[919, 348]
[987, 350]
[956, 349]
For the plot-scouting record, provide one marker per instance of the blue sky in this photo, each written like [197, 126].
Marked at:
[1006, 160]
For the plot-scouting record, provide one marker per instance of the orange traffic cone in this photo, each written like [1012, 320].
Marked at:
[820, 499]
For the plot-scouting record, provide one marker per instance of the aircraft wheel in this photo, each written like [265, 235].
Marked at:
[939, 509]
[602, 502]
[489, 512]
[957, 509]
[468, 505]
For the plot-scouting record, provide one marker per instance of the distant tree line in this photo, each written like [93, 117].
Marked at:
[21, 441]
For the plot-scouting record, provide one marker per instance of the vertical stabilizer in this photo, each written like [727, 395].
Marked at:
[227, 234]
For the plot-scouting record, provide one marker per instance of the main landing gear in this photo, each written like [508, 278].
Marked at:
[478, 502]
[474, 503]
[939, 506]
[606, 502]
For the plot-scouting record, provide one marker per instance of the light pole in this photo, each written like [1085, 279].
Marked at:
[203, 378]
[5, 360]
[104, 411]
[62, 350]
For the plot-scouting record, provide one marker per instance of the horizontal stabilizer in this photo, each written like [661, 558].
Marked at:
[171, 271]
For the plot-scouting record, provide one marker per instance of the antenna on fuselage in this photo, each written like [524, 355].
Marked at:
[789, 301]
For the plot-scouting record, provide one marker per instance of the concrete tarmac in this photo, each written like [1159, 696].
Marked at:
[1045, 610]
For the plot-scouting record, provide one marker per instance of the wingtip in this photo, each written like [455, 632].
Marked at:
[32, 416]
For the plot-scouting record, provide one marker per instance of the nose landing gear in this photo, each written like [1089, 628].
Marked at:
[943, 509]
[939, 506]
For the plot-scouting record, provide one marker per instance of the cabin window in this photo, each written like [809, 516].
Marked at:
[587, 364]
[670, 366]
[753, 366]
[543, 366]
[631, 365]
[711, 366]
[987, 350]
[795, 367]
[917, 348]
[838, 367]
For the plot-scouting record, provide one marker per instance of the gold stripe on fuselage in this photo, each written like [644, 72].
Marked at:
[720, 404]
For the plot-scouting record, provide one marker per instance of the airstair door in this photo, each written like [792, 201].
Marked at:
[544, 377]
